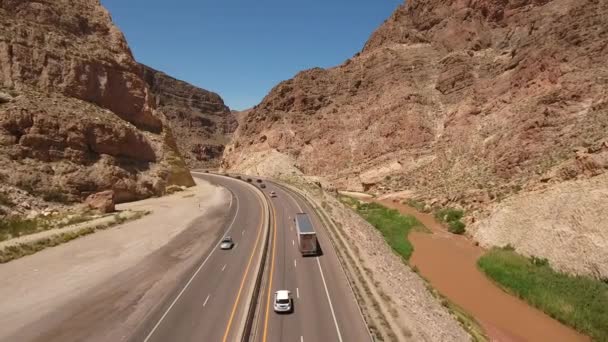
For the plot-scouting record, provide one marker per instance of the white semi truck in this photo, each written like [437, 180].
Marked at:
[307, 238]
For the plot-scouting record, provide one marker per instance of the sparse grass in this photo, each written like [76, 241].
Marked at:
[55, 195]
[393, 226]
[14, 227]
[451, 217]
[17, 251]
[17, 226]
[579, 302]
[20, 250]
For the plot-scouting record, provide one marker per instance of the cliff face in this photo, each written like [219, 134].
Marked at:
[463, 103]
[203, 125]
[75, 114]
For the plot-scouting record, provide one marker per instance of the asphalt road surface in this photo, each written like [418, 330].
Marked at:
[211, 302]
[325, 308]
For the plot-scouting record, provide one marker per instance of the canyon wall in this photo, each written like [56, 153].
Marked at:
[201, 122]
[462, 104]
[76, 116]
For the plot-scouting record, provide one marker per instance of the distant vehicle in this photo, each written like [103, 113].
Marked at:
[226, 243]
[238, 177]
[282, 301]
[307, 238]
[258, 180]
[263, 186]
[249, 180]
[273, 194]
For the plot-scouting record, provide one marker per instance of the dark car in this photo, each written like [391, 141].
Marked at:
[249, 180]
[262, 186]
[258, 180]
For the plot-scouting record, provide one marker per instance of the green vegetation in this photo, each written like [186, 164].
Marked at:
[452, 217]
[17, 226]
[14, 227]
[393, 226]
[416, 204]
[579, 302]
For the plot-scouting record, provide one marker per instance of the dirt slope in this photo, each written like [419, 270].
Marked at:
[464, 103]
[76, 116]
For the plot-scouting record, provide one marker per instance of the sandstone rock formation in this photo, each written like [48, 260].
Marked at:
[203, 125]
[102, 201]
[463, 102]
[75, 114]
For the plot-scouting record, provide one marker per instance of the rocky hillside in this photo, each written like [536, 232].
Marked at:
[202, 124]
[75, 114]
[461, 103]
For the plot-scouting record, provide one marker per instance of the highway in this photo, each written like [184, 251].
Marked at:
[210, 305]
[325, 308]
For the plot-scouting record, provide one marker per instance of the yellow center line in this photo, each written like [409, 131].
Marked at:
[255, 246]
[274, 239]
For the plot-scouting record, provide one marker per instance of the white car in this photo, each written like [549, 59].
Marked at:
[226, 243]
[282, 301]
[273, 194]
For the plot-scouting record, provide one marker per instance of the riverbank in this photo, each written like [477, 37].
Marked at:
[449, 263]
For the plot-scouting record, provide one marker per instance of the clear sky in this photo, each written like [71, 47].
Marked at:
[242, 48]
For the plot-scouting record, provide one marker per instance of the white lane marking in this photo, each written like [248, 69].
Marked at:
[295, 264]
[301, 338]
[236, 244]
[293, 243]
[298, 292]
[223, 268]
[333, 314]
[243, 232]
[205, 303]
[193, 276]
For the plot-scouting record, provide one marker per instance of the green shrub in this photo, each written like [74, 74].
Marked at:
[577, 301]
[449, 214]
[393, 226]
[456, 227]
[452, 217]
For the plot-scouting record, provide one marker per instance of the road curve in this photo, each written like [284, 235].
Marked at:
[325, 308]
[210, 304]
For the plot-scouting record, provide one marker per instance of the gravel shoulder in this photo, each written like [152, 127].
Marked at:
[121, 272]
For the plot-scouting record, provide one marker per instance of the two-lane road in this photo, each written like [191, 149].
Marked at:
[211, 303]
[325, 308]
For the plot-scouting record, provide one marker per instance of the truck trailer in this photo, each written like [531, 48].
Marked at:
[307, 238]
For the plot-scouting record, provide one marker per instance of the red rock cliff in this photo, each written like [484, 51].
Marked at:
[75, 115]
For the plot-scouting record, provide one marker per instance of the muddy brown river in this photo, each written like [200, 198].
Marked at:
[449, 263]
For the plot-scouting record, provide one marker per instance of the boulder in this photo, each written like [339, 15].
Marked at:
[102, 201]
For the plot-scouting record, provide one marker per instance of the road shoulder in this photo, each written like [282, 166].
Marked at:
[133, 264]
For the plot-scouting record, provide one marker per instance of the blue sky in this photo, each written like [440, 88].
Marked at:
[242, 48]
